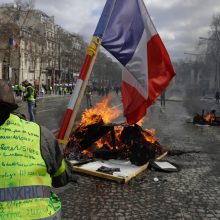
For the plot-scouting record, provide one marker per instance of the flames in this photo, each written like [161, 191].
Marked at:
[97, 132]
[102, 111]
[209, 117]
[92, 115]
[107, 139]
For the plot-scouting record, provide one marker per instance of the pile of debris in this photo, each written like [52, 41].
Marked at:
[94, 138]
[209, 118]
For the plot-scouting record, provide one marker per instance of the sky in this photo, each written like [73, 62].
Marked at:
[179, 23]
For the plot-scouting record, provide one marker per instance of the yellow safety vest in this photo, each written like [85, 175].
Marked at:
[31, 97]
[25, 185]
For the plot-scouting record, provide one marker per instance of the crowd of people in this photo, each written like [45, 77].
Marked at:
[19, 89]
[30, 93]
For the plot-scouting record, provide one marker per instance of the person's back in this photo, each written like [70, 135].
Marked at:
[31, 162]
[24, 171]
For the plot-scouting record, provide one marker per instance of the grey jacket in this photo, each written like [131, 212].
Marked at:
[52, 154]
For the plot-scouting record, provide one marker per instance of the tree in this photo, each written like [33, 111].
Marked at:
[14, 17]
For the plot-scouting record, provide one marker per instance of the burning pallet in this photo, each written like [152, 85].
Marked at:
[97, 138]
[112, 141]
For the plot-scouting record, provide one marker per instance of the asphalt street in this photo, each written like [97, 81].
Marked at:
[191, 193]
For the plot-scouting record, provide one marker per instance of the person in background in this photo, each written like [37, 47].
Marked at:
[65, 90]
[60, 90]
[88, 97]
[162, 99]
[42, 91]
[50, 89]
[29, 96]
[34, 163]
[16, 89]
[116, 90]
[217, 97]
[20, 89]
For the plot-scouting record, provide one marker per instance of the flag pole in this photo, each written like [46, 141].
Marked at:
[81, 83]
[93, 53]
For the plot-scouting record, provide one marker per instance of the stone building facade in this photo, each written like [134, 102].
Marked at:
[33, 47]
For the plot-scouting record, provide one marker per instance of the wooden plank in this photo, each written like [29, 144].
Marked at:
[135, 173]
[99, 174]
[112, 177]
[162, 156]
[143, 168]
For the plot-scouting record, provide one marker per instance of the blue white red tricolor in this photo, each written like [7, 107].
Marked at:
[125, 29]
[128, 33]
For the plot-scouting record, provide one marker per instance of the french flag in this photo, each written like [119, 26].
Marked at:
[128, 33]
[12, 42]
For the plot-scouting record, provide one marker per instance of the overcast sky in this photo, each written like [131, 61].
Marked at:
[180, 23]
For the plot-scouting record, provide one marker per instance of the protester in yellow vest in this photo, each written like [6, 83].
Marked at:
[30, 98]
[31, 161]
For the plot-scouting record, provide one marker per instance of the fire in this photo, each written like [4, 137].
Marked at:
[111, 139]
[209, 117]
[97, 135]
[102, 112]
[149, 136]
[140, 123]
[91, 116]
[87, 153]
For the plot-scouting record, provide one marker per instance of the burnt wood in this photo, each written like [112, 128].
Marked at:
[132, 143]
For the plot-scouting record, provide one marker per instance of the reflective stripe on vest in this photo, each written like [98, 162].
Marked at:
[24, 181]
[43, 208]
[24, 192]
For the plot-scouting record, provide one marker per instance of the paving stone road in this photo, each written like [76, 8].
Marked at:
[191, 193]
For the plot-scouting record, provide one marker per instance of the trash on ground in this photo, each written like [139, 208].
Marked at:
[164, 166]
[156, 179]
[206, 119]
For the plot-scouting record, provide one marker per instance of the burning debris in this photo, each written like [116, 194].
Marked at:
[209, 118]
[97, 137]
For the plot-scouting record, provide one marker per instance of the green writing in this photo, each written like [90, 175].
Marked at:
[7, 175]
[35, 212]
[17, 155]
[6, 129]
[11, 215]
[15, 137]
[8, 122]
[18, 164]
[36, 174]
[31, 173]
[18, 148]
